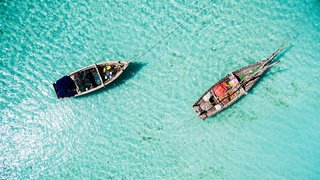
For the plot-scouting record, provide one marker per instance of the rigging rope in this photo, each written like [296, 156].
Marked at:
[171, 32]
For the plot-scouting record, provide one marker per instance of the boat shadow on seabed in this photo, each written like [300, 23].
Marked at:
[128, 73]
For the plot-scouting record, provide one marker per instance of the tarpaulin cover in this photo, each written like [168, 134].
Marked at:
[65, 87]
[220, 89]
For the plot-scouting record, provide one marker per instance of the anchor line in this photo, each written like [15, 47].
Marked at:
[301, 19]
[171, 32]
[185, 123]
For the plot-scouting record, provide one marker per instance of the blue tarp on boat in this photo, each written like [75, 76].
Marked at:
[65, 87]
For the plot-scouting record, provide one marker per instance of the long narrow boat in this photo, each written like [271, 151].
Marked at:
[232, 87]
[89, 79]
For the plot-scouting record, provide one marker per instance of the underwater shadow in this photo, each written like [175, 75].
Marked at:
[278, 58]
[128, 73]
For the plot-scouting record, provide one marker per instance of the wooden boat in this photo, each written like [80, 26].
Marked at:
[89, 79]
[232, 87]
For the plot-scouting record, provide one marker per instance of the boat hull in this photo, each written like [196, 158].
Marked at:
[232, 87]
[89, 79]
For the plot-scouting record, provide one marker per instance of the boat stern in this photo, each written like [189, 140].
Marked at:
[199, 112]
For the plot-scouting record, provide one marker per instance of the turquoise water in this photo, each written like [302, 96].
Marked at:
[133, 128]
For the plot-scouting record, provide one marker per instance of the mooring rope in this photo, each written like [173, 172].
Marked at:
[171, 32]
[301, 20]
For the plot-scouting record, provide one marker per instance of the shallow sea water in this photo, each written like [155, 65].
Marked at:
[135, 128]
